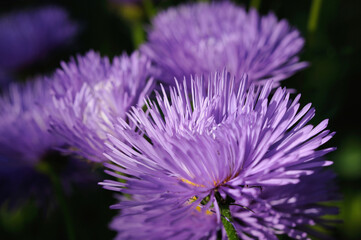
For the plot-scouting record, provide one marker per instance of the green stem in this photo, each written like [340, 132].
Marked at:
[46, 169]
[314, 15]
[255, 4]
[138, 34]
[226, 218]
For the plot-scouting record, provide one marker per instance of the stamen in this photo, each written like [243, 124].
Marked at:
[191, 183]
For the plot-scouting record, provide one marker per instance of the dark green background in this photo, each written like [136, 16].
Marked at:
[331, 83]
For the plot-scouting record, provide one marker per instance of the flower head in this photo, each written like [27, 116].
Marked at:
[29, 35]
[201, 38]
[223, 142]
[24, 111]
[26, 146]
[91, 92]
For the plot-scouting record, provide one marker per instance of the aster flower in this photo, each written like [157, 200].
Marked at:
[91, 93]
[24, 121]
[26, 145]
[29, 35]
[200, 38]
[222, 144]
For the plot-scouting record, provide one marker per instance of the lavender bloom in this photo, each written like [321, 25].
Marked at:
[91, 93]
[25, 121]
[201, 38]
[29, 35]
[226, 141]
[25, 144]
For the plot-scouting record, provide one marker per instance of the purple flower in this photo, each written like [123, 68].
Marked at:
[28, 35]
[26, 145]
[90, 93]
[200, 38]
[226, 142]
[24, 111]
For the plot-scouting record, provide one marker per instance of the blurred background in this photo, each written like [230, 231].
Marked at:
[333, 36]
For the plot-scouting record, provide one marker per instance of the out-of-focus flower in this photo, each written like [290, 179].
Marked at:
[90, 93]
[29, 35]
[246, 147]
[25, 143]
[25, 113]
[200, 38]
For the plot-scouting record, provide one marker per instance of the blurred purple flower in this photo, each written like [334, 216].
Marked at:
[90, 93]
[24, 111]
[200, 38]
[223, 141]
[28, 35]
[25, 144]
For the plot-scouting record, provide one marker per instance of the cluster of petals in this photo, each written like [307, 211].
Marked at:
[91, 92]
[225, 140]
[201, 38]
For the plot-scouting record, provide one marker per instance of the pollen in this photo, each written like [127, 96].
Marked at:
[199, 209]
[191, 183]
